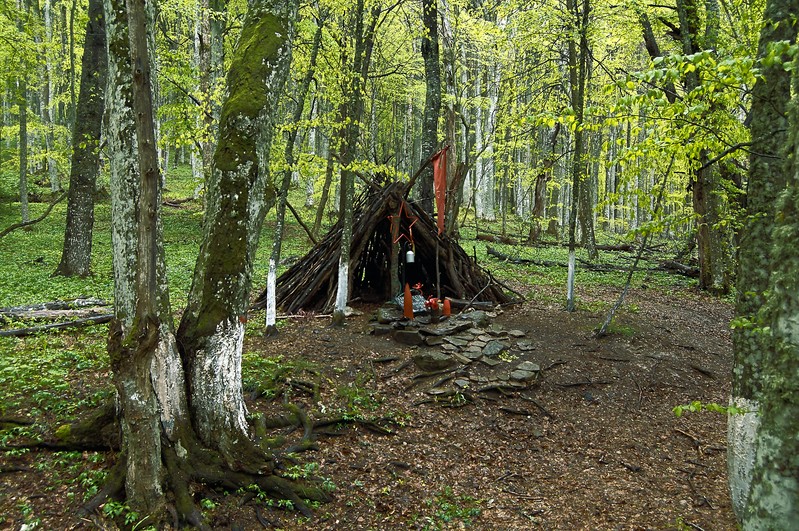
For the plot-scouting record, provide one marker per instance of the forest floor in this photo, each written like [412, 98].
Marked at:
[590, 443]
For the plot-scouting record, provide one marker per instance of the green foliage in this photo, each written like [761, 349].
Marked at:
[447, 509]
[122, 512]
[697, 406]
[37, 371]
[359, 399]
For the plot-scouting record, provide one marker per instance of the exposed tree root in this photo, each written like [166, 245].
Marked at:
[192, 463]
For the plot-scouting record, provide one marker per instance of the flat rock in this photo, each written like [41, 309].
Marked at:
[433, 361]
[525, 345]
[408, 337]
[522, 376]
[433, 341]
[477, 344]
[472, 355]
[497, 331]
[381, 329]
[528, 366]
[479, 318]
[461, 383]
[490, 361]
[516, 334]
[448, 328]
[446, 347]
[455, 341]
[461, 358]
[493, 348]
[388, 315]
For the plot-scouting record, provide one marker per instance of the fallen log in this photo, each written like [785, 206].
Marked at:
[668, 266]
[72, 304]
[497, 238]
[679, 269]
[89, 321]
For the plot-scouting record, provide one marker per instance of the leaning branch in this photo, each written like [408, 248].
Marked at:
[21, 224]
[611, 314]
[723, 154]
[302, 223]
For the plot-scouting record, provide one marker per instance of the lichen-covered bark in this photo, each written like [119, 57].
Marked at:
[774, 496]
[768, 177]
[238, 196]
[146, 367]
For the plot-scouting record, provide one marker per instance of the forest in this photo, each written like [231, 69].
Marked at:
[211, 212]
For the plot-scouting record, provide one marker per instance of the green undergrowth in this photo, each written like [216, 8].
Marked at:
[447, 510]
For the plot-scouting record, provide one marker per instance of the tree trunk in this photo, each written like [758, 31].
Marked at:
[774, 496]
[47, 89]
[144, 360]
[22, 106]
[432, 102]
[768, 177]
[320, 210]
[712, 257]
[352, 110]
[22, 101]
[588, 199]
[76, 255]
[211, 332]
[291, 140]
[578, 62]
[541, 180]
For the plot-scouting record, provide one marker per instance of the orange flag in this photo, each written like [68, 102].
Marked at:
[440, 185]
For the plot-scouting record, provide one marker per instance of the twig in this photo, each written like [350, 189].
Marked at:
[514, 411]
[537, 404]
[580, 384]
[522, 496]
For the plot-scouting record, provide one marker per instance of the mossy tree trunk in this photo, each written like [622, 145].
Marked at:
[167, 444]
[77, 250]
[239, 193]
[754, 350]
[774, 496]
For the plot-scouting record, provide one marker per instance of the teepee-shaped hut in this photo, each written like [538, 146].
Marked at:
[385, 226]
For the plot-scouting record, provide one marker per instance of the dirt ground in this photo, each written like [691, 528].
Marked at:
[589, 442]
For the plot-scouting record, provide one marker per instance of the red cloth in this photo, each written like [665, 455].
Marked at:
[440, 185]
